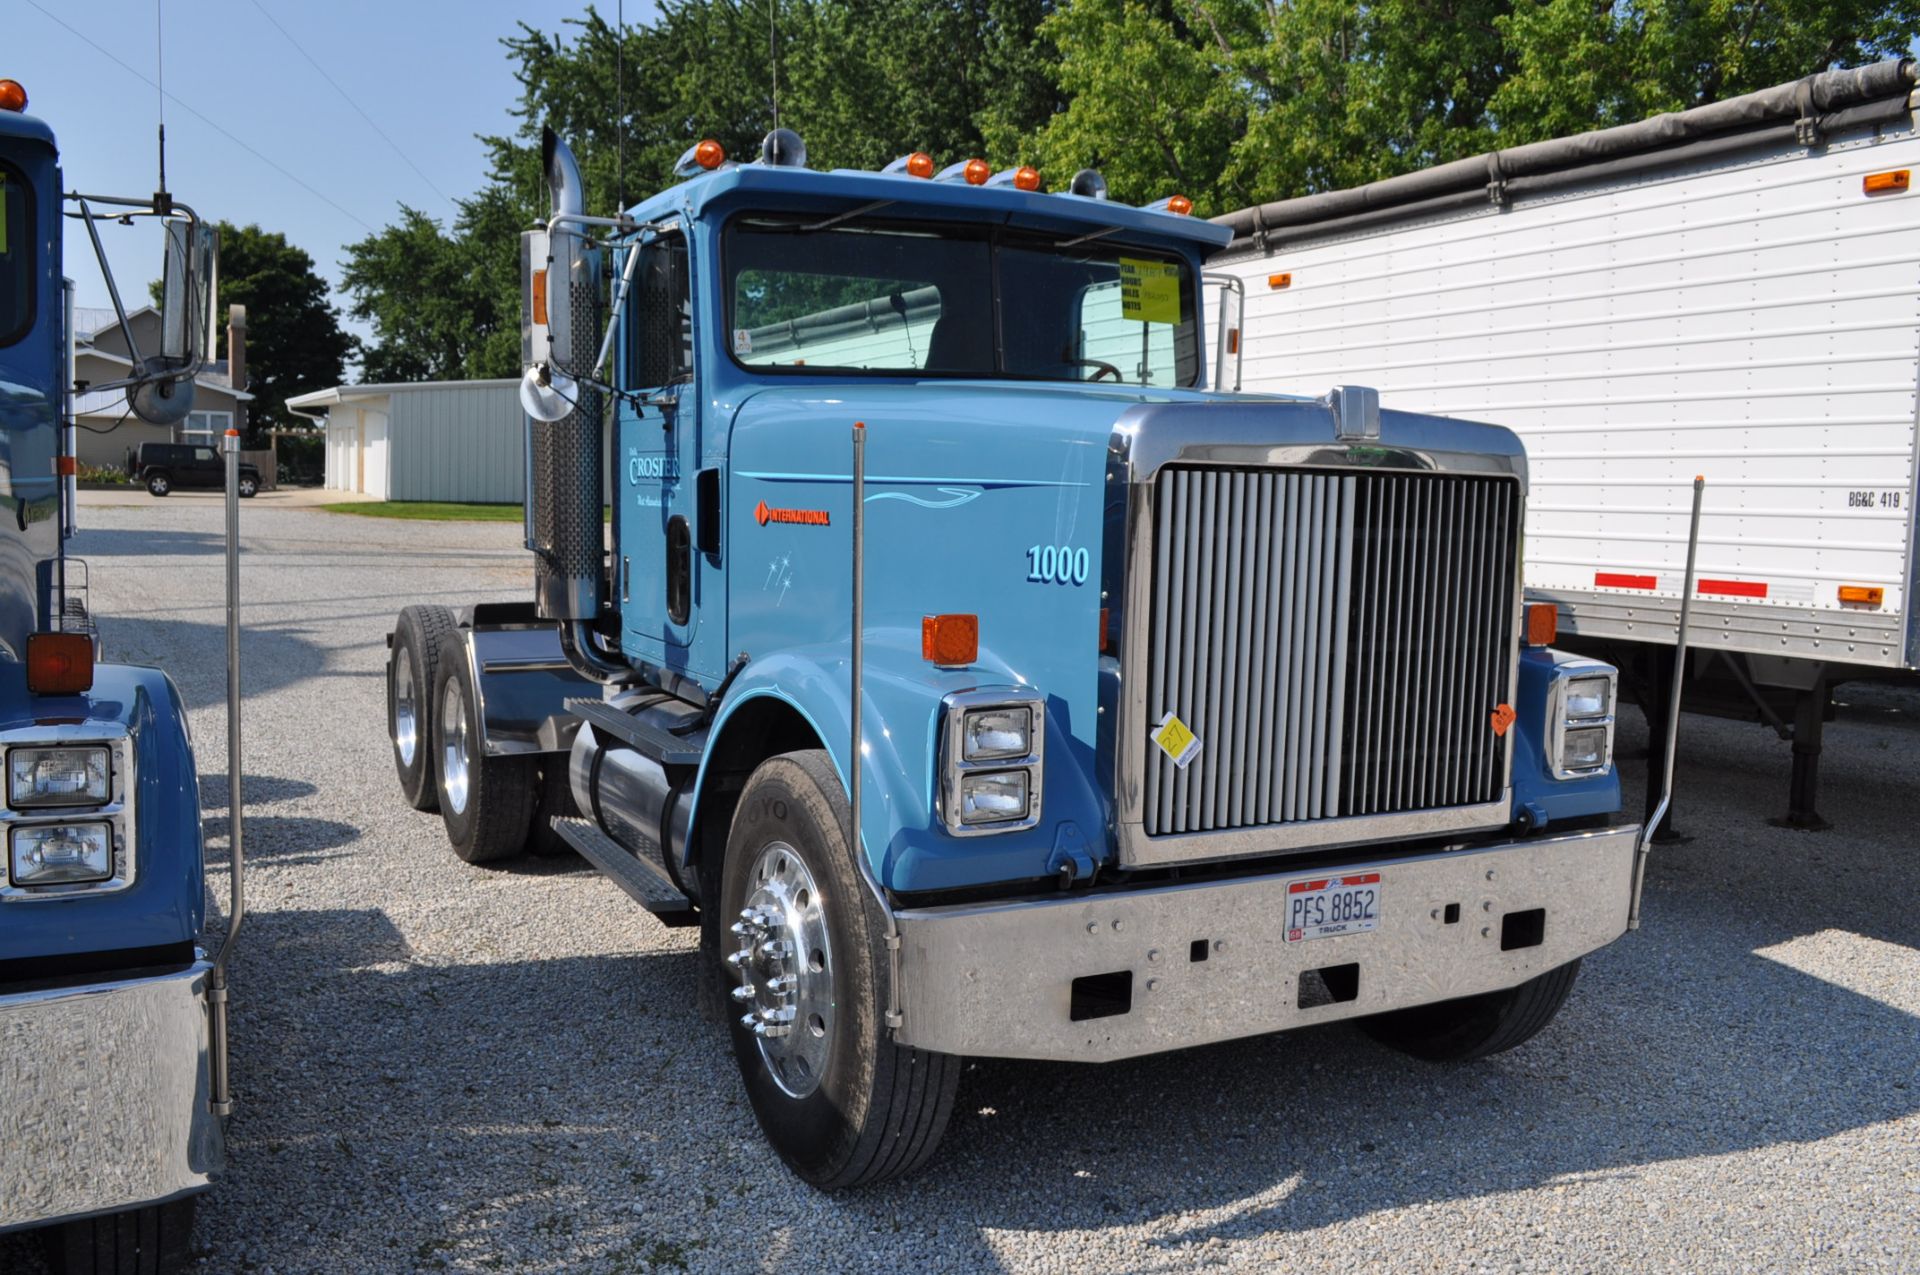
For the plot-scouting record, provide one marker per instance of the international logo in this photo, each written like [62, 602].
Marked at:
[766, 513]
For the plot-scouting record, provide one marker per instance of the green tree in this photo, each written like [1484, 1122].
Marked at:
[1241, 101]
[863, 81]
[294, 340]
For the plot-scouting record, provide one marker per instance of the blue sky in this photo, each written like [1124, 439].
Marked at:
[432, 75]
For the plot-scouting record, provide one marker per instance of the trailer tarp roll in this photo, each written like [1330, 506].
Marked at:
[1813, 98]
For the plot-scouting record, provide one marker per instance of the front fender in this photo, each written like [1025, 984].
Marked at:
[166, 904]
[902, 836]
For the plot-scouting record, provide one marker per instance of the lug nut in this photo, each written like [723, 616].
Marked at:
[739, 959]
[782, 984]
[744, 992]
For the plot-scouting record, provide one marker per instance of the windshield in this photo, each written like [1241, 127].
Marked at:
[16, 256]
[893, 298]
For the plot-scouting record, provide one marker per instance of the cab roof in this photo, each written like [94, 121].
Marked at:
[17, 125]
[754, 185]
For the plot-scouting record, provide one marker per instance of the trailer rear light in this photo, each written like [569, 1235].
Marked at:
[59, 663]
[1279, 281]
[950, 640]
[1543, 623]
[1862, 595]
[13, 97]
[1887, 183]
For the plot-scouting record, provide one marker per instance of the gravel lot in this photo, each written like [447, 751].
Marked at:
[441, 1067]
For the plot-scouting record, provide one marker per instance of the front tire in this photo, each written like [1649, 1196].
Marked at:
[842, 1104]
[248, 487]
[411, 672]
[1476, 1026]
[154, 1240]
[158, 485]
[486, 802]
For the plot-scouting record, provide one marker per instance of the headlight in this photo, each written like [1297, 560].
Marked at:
[62, 854]
[993, 796]
[58, 777]
[1580, 719]
[1589, 697]
[996, 732]
[991, 746]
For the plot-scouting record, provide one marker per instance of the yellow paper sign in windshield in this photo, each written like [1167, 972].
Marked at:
[1149, 291]
[3, 214]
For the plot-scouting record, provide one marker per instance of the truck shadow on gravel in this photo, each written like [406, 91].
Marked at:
[272, 658]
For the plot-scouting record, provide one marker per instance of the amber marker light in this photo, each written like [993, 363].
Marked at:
[1279, 281]
[1888, 183]
[950, 640]
[709, 154]
[59, 663]
[1543, 623]
[920, 164]
[1179, 205]
[1862, 595]
[977, 172]
[13, 96]
[1027, 178]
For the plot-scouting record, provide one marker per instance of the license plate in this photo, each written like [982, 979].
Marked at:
[1329, 906]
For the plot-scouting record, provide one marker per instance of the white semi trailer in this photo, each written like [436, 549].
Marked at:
[1732, 291]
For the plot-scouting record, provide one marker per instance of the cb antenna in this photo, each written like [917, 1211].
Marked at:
[160, 201]
[620, 123]
[773, 57]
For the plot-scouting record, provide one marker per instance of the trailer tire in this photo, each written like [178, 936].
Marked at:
[554, 800]
[411, 670]
[868, 1109]
[1476, 1026]
[487, 803]
[155, 1240]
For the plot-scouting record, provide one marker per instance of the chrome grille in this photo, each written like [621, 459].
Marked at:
[1337, 640]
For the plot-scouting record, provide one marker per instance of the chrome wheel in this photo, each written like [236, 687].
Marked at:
[785, 964]
[454, 762]
[406, 720]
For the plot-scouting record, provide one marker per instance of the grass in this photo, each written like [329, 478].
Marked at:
[428, 510]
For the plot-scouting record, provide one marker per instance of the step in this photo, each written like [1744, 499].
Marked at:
[642, 736]
[643, 878]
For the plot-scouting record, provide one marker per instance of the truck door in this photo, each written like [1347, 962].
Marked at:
[659, 428]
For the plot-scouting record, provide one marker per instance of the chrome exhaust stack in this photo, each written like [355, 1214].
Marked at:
[560, 332]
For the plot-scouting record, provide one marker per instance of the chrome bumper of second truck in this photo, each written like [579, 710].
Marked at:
[104, 1091]
[1210, 961]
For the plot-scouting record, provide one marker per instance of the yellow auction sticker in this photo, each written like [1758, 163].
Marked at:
[1174, 739]
[1149, 290]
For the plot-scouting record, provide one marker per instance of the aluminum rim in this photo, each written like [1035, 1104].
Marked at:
[785, 964]
[158, 484]
[453, 751]
[406, 720]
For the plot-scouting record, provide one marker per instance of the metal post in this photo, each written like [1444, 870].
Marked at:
[856, 762]
[1673, 710]
[222, 1098]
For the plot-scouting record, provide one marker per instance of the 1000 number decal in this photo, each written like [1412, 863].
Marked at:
[1058, 564]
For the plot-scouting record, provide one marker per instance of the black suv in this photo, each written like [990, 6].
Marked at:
[164, 466]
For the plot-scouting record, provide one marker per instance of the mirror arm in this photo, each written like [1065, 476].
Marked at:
[619, 308]
[106, 273]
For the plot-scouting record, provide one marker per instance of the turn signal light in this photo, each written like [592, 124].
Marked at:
[1027, 178]
[977, 171]
[13, 97]
[59, 663]
[950, 640]
[1862, 595]
[1886, 183]
[709, 154]
[919, 164]
[1543, 623]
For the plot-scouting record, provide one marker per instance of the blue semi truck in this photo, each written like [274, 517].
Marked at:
[112, 1011]
[980, 680]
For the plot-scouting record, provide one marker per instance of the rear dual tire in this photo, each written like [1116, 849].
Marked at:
[842, 1104]
[411, 673]
[155, 1240]
[487, 803]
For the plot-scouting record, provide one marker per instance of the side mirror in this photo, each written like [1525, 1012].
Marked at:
[165, 394]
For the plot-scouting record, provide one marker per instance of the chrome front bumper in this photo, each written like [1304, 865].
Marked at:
[1207, 962]
[103, 1097]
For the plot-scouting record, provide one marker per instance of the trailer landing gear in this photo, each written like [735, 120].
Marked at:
[1810, 710]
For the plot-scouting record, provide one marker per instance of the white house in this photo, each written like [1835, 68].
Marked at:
[109, 435]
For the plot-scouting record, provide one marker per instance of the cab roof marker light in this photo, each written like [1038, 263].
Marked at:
[702, 157]
[1088, 184]
[974, 172]
[13, 96]
[1021, 178]
[1178, 205]
[918, 164]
